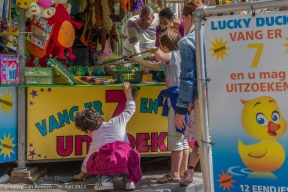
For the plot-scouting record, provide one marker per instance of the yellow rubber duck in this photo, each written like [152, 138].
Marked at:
[263, 120]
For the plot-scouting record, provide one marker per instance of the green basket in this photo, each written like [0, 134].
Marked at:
[128, 76]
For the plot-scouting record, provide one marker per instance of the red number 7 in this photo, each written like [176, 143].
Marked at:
[116, 96]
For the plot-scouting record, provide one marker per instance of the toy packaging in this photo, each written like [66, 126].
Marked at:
[38, 71]
[39, 39]
[9, 69]
[41, 80]
[59, 68]
[38, 75]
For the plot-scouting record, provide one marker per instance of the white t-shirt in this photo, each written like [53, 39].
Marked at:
[111, 131]
[172, 70]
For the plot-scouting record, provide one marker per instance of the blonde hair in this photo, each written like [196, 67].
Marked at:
[190, 7]
[169, 38]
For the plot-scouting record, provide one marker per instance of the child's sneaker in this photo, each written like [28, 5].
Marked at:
[188, 178]
[105, 185]
[130, 186]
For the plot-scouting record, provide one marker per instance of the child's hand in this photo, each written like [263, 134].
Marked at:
[190, 107]
[127, 87]
[131, 58]
[80, 176]
[152, 50]
[127, 90]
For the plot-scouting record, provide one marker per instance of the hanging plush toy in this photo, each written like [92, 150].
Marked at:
[45, 3]
[83, 5]
[34, 9]
[62, 36]
[48, 13]
[97, 33]
[39, 11]
[106, 12]
[24, 4]
[63, 33]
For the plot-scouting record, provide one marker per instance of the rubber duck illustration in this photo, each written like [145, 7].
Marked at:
[263, 120]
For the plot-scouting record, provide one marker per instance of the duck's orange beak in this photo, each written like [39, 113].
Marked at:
[272, 128]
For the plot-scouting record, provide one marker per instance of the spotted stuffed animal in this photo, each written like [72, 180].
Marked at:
[106, 12]
[97, 33]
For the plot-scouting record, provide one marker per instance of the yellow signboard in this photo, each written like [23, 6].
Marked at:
[228, 2]
[51, 130]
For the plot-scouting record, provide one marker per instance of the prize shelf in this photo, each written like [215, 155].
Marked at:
[9, 85]
[89, 86]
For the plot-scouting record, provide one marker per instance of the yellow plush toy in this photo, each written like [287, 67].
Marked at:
[83, 5]
[24, 4]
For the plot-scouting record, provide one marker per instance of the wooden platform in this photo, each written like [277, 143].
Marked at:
[28, 175]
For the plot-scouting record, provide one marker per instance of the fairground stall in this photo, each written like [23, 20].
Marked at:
[74, 61]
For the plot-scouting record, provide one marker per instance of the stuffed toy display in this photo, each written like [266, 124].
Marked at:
[53, 24]
[100, 27]
[52, 31]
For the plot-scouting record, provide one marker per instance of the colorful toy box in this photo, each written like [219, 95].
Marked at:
[38, 71]
[9, 69]
[38, 75]
[39, 80]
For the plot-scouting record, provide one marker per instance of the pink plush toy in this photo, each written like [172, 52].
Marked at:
[45, 3]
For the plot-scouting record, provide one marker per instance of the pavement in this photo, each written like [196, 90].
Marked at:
[151, 172]
[147, 184]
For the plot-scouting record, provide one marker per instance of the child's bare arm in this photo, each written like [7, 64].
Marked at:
[130, 108]
[159, 54]
[127, 90]
[145, 63]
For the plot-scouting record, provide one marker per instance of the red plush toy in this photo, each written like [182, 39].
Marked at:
[63, 33]
[62, 37]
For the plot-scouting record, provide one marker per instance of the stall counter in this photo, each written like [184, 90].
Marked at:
[51, 110]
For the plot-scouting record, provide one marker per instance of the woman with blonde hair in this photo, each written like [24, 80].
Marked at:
[188, 93]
